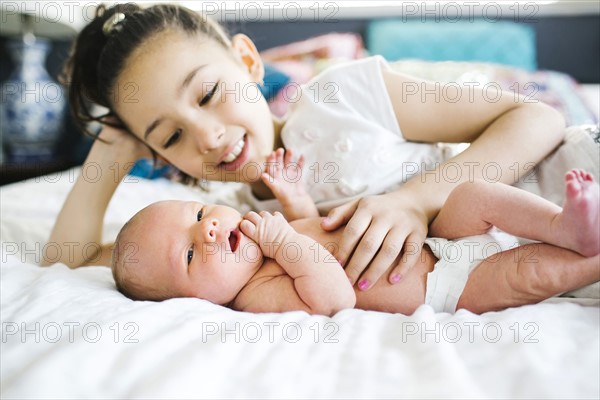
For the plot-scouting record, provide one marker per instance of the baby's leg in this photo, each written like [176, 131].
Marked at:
[474, 207]
[526, 275]
[577, 227]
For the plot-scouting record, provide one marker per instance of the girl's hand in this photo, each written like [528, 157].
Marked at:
[269, 231]
[381, 231]
[120, 145]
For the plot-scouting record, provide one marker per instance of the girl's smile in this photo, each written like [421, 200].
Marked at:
[235, 156]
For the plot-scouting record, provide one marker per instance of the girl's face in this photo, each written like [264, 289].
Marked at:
[198, 105]
[195, 250]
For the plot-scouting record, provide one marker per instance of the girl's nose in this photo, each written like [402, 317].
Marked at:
[209, 138]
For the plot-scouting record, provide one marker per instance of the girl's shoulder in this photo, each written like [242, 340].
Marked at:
[349, 91]
[350, 70]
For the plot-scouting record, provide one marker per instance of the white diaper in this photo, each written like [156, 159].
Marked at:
[456, 260]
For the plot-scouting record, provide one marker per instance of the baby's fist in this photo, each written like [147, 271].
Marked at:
[283, 175]
[268, 230]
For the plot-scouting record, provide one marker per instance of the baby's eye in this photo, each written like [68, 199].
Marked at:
[190, 255]
[173, 139]
[210, 95]
[199, 216]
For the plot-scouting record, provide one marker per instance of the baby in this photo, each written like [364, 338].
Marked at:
[263, 263]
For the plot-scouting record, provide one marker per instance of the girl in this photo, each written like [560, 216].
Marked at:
[177, 86]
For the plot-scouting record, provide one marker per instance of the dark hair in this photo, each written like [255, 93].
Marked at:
[97, 58]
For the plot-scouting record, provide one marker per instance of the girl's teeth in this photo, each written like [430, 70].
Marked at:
[235, 152]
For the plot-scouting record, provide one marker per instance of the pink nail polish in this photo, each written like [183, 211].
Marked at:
[341, 263]
[396, 278]
[363, 285]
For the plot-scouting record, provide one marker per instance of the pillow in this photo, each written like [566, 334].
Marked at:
[556, 89]
[302, 60]
[501, 42]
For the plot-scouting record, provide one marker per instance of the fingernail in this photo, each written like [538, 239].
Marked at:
[326, 220]
[363, 285]
[350, 280]
[341, 263]
[396, 278]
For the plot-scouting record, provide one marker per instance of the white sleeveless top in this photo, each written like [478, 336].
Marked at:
[344, 124]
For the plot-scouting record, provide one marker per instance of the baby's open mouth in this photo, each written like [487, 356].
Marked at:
[234, 240]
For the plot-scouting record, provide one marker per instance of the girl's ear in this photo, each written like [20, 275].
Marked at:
[244, 48]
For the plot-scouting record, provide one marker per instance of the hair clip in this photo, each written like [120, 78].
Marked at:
[112, 23]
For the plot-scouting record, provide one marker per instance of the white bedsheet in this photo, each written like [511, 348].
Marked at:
[111, 347]
[70, 334]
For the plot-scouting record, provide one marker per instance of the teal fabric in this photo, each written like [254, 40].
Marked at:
[501, 42]
[273, 81]
[144, 168]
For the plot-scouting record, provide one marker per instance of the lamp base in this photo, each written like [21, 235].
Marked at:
[32, 107]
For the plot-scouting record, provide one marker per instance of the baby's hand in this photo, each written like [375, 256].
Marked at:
[283, 175]
[268, 230]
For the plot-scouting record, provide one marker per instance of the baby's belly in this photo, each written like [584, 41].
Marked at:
[405, 296]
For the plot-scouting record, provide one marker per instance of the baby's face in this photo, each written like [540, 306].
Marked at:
[196, 250]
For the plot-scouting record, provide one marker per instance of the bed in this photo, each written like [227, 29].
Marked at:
[71, 334]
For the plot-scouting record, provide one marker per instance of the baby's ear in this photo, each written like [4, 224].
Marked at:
[244, 47]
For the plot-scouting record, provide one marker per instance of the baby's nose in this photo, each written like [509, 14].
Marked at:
[210, 227]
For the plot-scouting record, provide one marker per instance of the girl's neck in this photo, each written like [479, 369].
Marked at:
[261, 191]
[277, 126]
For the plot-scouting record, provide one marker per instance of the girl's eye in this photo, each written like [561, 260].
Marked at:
[210, 95]
[199, 216]
[190, 255]
[174, 138]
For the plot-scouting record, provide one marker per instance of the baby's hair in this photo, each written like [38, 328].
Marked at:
[99, 55]
[126, 269]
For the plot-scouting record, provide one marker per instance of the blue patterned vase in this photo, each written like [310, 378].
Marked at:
[32, 106]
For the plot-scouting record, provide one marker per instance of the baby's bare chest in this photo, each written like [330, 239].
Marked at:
[403, 297]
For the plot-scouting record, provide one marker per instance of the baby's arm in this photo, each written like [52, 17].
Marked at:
[319, 280]
[284, 177]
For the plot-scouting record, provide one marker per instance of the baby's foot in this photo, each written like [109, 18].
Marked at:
[580, 217]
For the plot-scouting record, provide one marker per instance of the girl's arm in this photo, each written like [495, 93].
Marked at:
[78, 228]
[321, 287]
[508, 135]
